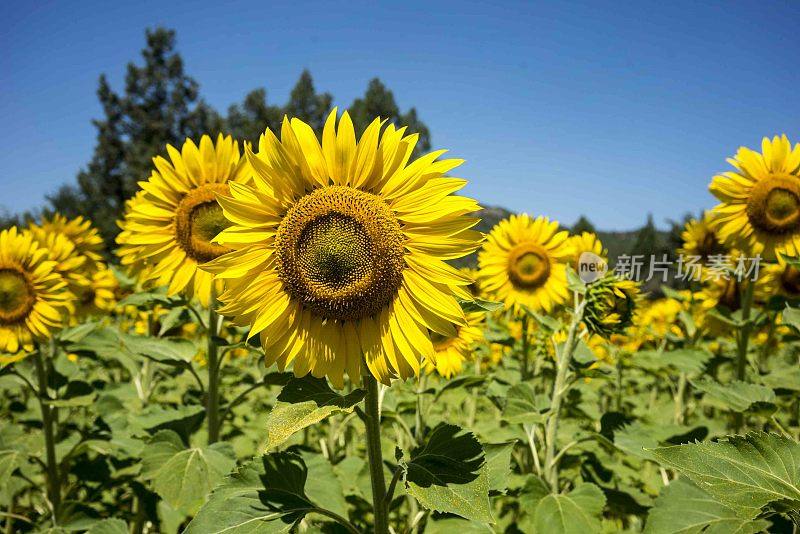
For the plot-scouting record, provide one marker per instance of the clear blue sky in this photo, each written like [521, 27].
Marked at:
[559, 108]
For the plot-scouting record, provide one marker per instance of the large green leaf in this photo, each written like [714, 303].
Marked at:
[304, 402]
[522, 405]
[109, 526]
[744, 472]
[448, 473]
[576, 512]
[683, 508]
[184, 476]
[738, 396]
[498, 463]
[265, 496]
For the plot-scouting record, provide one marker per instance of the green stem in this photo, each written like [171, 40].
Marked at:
[680, 395]
[526, 349]
[619, 382]
[559, 389]
[375, 457]
[53, 483]
[212, 362]
[742, 343]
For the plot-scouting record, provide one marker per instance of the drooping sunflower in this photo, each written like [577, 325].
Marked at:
[79, 231]
[610, 305]
[523, 263]
[700, 239]
[760, 201]
[340, 248]
[33, 294]
[169, 227]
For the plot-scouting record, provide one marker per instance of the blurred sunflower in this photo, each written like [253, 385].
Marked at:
[701, 239]
[79, 231]
[781, 279]
[169, 227]
[99, 295]
[586, 242]
[760, 201]
[33, 294]
[523, 263]
[340, 248]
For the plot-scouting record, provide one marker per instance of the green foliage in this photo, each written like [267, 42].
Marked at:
[576, 512]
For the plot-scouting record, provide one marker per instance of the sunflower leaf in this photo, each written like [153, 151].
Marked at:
[184, 476]
[576, 512]
[738, 396]
[304, 402]
[684, 508]
[480, 305]
[449, 473]
[746, 472]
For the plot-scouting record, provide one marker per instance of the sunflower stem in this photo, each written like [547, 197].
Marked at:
[526, 349]
[212, 396]
[374, 455]
[53, 483]
[743, 342]
[559, 390]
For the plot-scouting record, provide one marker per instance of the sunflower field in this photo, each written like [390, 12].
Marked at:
[281, 342]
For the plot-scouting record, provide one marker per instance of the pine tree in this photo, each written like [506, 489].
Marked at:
[378, 101]
[248, 120]
[159, 106]
[308, 106]
[583, 225]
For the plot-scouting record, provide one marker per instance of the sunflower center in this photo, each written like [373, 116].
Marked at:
[730, 297]
[710, 246]
[16, 295]
[198, 220]
[528, 266]
[790, 281]
[340, 253]
[774, 204]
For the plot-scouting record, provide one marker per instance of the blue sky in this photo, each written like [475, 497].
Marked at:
[606, 109]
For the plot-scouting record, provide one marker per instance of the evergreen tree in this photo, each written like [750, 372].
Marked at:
[159, 106]
[583, 225]
[378, 101]
[308, 106]
[248, 120]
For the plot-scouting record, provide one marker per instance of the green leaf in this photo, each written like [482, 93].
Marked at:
[738, 396]
[326, 491]
[449, 474]
[304, 402]
[576, 512]
[184, 477]
[744, 472]
[109, 526]
[498, 462]
[9, 461]
[534, 490]
[480, 305]
[463, 382]
[147, 298]
[452, 524]
[683, 508]
[791, 317]
[265, 496]
[170, 351]
[522, 405]
[78, 393]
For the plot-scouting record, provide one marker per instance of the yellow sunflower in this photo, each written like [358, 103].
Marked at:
[99, 295]
[781, 279]
[78, 231]
[586, 242]
[340, 248]
[760, 201]
[701, 239]
[523, 263]
[33, 295]
[451, 352]
[169, 227]
[70, 264]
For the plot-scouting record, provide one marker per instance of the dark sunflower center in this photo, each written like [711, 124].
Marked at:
[16, 296]
[198, 220]
[790, 281]
[528, 266]
[710, 245]
[774, 204]
[340, 253]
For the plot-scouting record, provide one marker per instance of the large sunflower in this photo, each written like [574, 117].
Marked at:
[760, 201]
[340, 248]
[33, 294]
[523, 263]
[169, 226]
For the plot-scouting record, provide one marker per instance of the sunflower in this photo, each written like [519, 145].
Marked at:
[700, 239]
[610, 305]
[33, 294]
[340, 248]
[760, 201]
[523, 263]
[782, 279]
[169, 226]
[68, 262]
[451, 352]
[99, 295]
[79, 231]
[586, 242]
